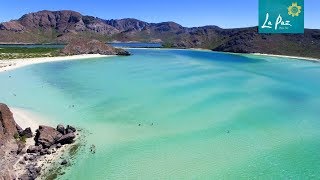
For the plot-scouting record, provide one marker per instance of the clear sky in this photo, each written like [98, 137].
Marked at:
[224, 13]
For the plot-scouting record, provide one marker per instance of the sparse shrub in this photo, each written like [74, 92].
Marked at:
[16, 136]
[23, 139]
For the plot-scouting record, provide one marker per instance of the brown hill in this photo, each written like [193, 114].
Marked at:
[82, 46]
[62, 26]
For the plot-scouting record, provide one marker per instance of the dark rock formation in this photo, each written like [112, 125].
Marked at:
[83, 46]
[121, 52]
[27, 133]
[21, 146]
[71, 128]
[32, 173]
[61, 129]
[64, 162]
[9, 146]
[67, 138]
[34, 149]
[19, 129]
[47, 139]
[7, 124]
[47, 136]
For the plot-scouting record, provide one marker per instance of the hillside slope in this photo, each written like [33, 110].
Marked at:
[62, 26]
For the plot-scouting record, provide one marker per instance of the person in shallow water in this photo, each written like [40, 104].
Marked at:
[93, 149]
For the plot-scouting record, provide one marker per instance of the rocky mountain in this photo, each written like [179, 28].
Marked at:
[62, 26]
[248, 40]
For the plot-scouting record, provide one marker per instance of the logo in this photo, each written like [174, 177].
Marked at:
[281, 16]
[294, 10]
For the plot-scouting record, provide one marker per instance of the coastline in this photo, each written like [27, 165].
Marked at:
[241, 54]
[11, 64]
[41, 162]
[285, 56]
[25, 118]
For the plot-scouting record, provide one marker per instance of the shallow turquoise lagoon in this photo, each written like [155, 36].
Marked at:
[202, 115]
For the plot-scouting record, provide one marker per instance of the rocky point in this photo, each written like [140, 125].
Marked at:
[15, 152]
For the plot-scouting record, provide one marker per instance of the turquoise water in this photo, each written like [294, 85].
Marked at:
[202, 114]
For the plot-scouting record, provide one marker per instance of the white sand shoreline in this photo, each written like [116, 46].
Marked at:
[11, 64]
[25, 118]
[284, 56]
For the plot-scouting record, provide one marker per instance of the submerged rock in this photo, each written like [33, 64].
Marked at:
[64, 162]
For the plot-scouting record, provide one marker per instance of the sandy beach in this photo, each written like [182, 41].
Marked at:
[290, 57]
[27, 119]
[11, 64]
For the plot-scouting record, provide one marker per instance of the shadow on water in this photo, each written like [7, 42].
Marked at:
[218, 56]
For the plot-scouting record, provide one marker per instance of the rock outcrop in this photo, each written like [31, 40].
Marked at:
[26, 133]
[47, 136]
[84, 46]
[61, 129]
[12, 26]
[8, 146]
[47, 141]
[7, 124]
[15, 152]
[67, 138]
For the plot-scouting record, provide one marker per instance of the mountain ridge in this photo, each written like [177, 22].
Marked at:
[62, 26]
